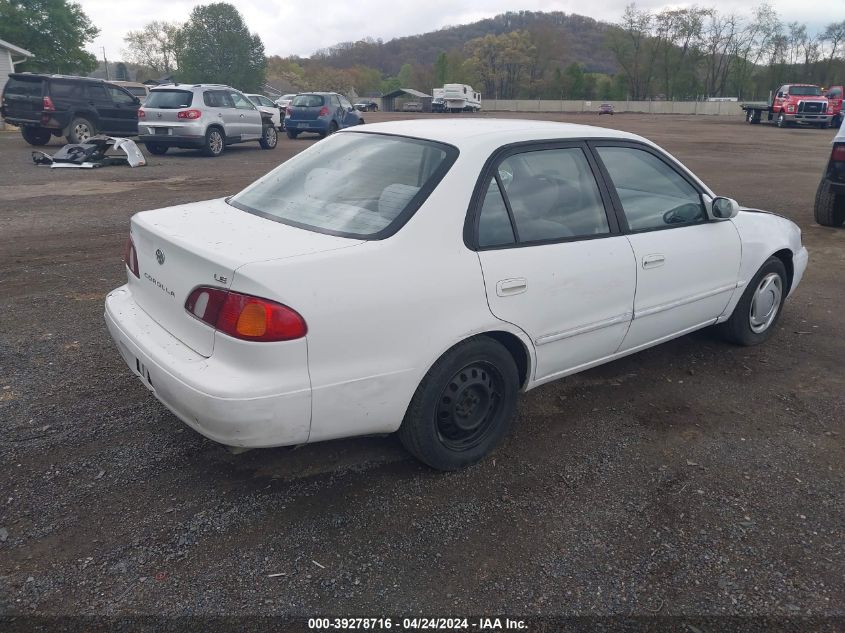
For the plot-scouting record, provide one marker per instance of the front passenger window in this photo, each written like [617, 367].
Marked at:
[653, 194]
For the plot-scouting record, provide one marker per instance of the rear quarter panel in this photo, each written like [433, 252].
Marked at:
[380, 314]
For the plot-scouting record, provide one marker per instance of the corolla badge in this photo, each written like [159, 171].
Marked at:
[159, 256]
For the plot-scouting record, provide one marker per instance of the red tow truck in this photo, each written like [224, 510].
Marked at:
[834, 96]
[802, 104]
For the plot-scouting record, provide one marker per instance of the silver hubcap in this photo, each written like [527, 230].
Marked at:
[82, 132]
[765, 303]
[216, 142]
[270, 135]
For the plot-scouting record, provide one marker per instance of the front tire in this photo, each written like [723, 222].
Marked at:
[215, 142]
[781, 120]
[37, 136]
[464, 406]
[829, 209]
[755, 316]
[80, 130]
[269, 138]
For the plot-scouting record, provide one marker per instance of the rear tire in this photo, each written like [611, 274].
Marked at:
[215, 142]
[269, 137]
[463, 407]
[829, 209]
[80, 130]
[755, 316]
[292, 135]
[156, 148]
[37, 136]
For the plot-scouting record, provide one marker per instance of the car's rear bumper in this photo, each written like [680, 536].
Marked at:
[267, 408]
[48, 120]
[170, 140]
[319, 126]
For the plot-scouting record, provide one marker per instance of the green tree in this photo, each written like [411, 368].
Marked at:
[575, 81]
[215, 46]
[153, 46]
[406, 75]
[441, 70]
[55, 31]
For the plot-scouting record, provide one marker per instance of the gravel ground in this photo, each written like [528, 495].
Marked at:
[692, 479]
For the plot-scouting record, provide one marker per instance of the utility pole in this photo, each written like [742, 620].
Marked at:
[106, 62]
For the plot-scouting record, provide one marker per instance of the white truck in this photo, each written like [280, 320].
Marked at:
[460, 98]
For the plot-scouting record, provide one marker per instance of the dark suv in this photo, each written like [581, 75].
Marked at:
[830, 196]
[75, 107]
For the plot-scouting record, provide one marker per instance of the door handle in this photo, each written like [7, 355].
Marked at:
[507, 287]
[242, 116]
[653, 261]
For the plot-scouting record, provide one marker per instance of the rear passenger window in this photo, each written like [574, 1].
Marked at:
[217, 99]
[553, 195]
[64, 89]
[494, 225]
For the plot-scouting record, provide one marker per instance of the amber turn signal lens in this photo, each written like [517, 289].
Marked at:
[252, 320]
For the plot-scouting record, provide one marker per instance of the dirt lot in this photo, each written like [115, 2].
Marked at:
[696, 478]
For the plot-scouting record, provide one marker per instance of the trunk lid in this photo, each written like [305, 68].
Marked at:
[307, 107]
[203, 244]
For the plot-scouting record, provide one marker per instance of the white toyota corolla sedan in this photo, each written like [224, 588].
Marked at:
[417, 275]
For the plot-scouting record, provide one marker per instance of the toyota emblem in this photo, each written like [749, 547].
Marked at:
[159, 256]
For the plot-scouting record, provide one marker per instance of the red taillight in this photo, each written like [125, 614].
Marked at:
[288, 111]
[324, 111]
[244, 316]
[838, 153]
[130, 257]
[141, 113]
[188, 114]
[47, 104]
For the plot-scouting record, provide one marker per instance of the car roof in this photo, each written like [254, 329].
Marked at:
[472, 132]
[55, 76]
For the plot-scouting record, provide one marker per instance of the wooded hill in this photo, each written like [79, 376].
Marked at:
[565, 38]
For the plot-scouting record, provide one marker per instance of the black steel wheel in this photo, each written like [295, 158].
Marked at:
[464, 406]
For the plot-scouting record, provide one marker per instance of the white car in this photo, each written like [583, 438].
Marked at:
[284, 101]
[417, 275]
[268, 107]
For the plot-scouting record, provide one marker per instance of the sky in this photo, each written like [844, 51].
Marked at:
[290, 27]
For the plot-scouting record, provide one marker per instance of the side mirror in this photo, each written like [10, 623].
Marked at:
[721, 208]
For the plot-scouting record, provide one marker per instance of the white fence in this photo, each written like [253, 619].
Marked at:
[725, 108]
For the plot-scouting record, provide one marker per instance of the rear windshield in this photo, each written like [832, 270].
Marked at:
[307, 101]
[23, 87]
[814, 91]
[169, 99]
[357, 185]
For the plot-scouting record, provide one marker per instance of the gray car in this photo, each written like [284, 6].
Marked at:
[201, 116]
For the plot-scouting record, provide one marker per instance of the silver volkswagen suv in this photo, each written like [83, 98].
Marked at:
[201, 116]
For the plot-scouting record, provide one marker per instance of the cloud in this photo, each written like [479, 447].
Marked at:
[290, 28]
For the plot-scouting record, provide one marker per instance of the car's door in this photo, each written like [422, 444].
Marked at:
[553, 260]
[125, 110]
[248, 117]
[687, 265]
[99, 101]
[350, 116]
